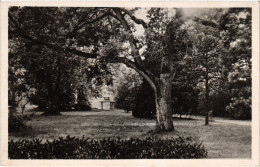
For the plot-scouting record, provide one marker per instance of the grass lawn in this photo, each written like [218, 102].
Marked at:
[222, 140]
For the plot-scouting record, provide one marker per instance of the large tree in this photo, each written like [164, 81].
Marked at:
[71, 30]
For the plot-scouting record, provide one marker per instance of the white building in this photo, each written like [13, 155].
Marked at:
[105, 102]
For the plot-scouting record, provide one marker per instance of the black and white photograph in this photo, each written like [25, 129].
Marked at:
[129, 83]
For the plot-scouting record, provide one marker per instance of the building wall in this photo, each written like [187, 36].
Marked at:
[95, 102]
[106, 105]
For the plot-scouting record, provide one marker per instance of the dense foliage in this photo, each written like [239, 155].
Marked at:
[237, 35]
[17, 123]
[213, 62]
[138, 99]
[50, 77]
[81, 148]
[185, 100]
[125, 97]
[144, 103]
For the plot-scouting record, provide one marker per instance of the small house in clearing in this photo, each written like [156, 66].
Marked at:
[107, 104]
[105, 101]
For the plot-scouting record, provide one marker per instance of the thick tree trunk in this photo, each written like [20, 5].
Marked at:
[164, 104]
[162, 86]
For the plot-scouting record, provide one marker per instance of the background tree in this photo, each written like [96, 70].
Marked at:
[19, 89]
[236, 33]
[185, 100]
[205, 61]
[126, 82]
[233, 27]
[50, 67]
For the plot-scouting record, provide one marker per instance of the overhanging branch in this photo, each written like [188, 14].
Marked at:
[22, 34]
[149, 78]
[88, 22]
[132, 41]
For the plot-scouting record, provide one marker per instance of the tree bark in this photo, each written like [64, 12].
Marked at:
[163, 104]
[163, 93]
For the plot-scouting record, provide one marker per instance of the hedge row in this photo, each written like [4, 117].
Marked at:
[81, 148]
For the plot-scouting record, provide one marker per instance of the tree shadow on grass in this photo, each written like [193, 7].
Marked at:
[184, 118]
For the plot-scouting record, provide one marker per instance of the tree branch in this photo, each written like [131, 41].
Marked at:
[22, 34]
[136, 67]
[88, 22]
[136, 20]
[132, 41]
[205, 22]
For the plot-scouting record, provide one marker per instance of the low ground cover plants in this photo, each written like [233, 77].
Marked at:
[82, 148]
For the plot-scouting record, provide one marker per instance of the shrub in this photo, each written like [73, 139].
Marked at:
[144, 102]
[17, 123]
[219, 102]
[81, 148]
[82, 101]
[185, 99]
[240, 108]
[125, 97]
[84, 107]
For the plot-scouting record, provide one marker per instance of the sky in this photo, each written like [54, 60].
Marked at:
[142, 12]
